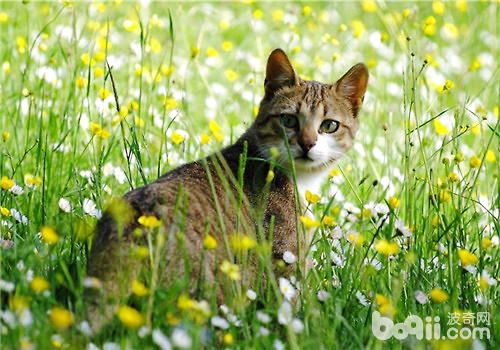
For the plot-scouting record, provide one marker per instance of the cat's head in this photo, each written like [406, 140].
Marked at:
[317, 121]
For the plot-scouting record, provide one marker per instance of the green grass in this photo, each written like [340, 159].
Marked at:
[178, 66]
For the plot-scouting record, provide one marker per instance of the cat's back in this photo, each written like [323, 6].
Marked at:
[193, 193]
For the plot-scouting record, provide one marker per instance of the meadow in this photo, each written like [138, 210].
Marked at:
[98, 98]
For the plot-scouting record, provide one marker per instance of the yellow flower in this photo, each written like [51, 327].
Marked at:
[167, 70]
[26, 344]
[270, 176]
[131, 25]
[204, 139]
[122, 114]
[452, 177]
[369, 6]
[138, 70]
[358, 28]
[356, 238]
[438, 295]
[139, 288]
[5, 211]
[467, 258]
[223, 24]
[241, 242]
[231, 270]
[435, 221]
[49, 236]
[257, 14]
[447, 86]
[476, 129]
[430, 60]
[461, 5]
[149, 221]
[195, 51]
[4, 17]
[6, 183]
[39, 284]
[61, 318]
[177, 138]
[329, 221]
[474, 162]
[444, 196]
[87, 60]
[483, 283]
[306, 10]
[134, 105]
[429, 26]
[170, 103]
[104, 93]
[385, 306]
[5, 136]
[228, 339]
[334, 172]
[210, 242]
[440, 128]
[278, 15]
[56, 343]
[450, 30]
[130, 317]
[22, 44]
[216, 131]
[185, 303]
[172, 320]
[99, 131]
[98, 72]
[366, 213]
[371, 63]
[100, 56]
[308, 222]
[155, 45]
[394, 202]
[490, 156]
[312, 198]
[212, 52]
[386, 248]
[142, 252]
[438, 7]
[274, 152]
[18, 303]
[32, 181]
[486, 243]
[139, 122]
[231, 75]
[227, 46]
[80, 82]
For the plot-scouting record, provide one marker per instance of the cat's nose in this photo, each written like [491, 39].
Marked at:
[306, 145]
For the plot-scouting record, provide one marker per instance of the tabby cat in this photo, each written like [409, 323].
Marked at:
[302, 127]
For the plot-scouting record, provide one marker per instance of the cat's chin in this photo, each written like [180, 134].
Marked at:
[309, 165]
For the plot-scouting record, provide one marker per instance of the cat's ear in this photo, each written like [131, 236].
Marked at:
[352, 86]
[279, 72]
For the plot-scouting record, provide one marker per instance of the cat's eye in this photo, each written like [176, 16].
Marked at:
[289, 121]
[329, 126]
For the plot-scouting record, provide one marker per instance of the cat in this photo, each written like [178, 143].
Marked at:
[301, 125]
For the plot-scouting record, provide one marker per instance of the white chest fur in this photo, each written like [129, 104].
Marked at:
[310, 181]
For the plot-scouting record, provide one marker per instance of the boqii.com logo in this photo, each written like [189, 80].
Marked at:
[467, 326]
